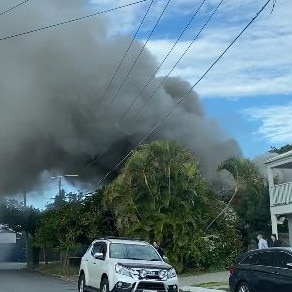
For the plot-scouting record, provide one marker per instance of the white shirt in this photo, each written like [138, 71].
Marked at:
[263, 243]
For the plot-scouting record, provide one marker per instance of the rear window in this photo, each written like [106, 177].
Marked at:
[259, 259]
[265, 259]
[249, 260]
[282, 259]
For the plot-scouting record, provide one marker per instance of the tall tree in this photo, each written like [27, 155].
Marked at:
[247, 179]
[281, 150]
[160, 194]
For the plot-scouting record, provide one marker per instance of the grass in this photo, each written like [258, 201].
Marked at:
[58, 269]
[212, 284]
[200, 272]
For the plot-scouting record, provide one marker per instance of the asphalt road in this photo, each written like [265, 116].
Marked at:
[17, 280]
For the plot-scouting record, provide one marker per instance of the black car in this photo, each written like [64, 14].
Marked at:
[265, 270]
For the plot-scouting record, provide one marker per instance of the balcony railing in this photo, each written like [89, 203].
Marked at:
[281, 194]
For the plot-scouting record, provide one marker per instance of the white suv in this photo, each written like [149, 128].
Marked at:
[123, 265]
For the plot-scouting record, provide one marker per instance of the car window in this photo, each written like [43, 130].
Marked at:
[97, 247]
[265, 259]
[249, 260]
[133, 251]
[282, 259]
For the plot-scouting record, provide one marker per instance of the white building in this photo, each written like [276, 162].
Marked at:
[7, 236]
[280, 189]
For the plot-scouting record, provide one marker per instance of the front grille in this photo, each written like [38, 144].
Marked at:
[150, 286]
[153, 277]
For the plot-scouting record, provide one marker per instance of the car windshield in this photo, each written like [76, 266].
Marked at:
[133, 251]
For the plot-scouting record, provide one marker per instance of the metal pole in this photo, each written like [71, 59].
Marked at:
[26, 237]
[60, 184]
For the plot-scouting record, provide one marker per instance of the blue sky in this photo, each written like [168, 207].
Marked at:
[249, 90]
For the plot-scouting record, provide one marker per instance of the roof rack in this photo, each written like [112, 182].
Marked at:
[120, 237]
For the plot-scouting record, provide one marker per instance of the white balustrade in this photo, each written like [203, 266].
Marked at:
[281, 194]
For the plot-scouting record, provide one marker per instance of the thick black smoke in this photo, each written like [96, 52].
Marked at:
[51, 84]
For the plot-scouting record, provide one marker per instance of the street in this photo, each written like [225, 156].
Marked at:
[17, 280]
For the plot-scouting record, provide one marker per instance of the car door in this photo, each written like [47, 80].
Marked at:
[283, 273]
[96, 266]
[262, 272]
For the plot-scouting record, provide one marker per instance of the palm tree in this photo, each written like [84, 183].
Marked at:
[247, 179]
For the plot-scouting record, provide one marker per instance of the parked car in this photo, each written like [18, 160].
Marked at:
[123, 265]
[265, 270]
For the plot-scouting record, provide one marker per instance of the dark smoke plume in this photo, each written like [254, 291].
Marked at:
[51, 84]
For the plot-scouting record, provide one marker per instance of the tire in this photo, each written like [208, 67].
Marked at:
[243, 287]
[104, 287]
[81, 283]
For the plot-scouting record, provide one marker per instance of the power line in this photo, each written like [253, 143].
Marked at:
[180, 58]
[13, 7]
[126, 53]
[165, 58]
[169, 52]
[137, 58]
[153, 29]
[184, 96]
[70, 21]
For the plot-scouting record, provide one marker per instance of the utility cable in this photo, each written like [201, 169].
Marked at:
[184, 96]
[70, 20]
[12, 8]
[153, 76]
[137, 58]
[165, 58]
[126, 53]
[180, 58]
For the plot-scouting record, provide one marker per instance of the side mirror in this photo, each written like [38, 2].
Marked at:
[99, 256]
[165, 259]
[289, 265]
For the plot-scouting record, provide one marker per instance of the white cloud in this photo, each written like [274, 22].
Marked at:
[260, 63]
[276, 122]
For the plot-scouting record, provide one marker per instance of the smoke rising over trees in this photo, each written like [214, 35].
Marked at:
[51, 114]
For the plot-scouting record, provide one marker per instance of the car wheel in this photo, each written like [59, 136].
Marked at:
[243, 287]
[104, 287]
[81, 284]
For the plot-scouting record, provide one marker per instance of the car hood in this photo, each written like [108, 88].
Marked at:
[133, 264]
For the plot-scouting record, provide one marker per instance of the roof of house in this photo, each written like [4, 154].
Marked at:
[281, 160]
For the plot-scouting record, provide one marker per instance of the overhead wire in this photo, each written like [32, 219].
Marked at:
[179, 59]
[13, 7]
[126, 53]
[70, 20]
[184, 96]
[142, 49]
[138, 56]
[153, 76]
[163, 61]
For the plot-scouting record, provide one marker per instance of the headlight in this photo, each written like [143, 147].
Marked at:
[163, 274]
[120, 269]
[171, 273]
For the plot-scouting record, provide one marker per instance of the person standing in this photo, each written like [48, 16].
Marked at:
[274, 241]
[262, 242]
[158, 248]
